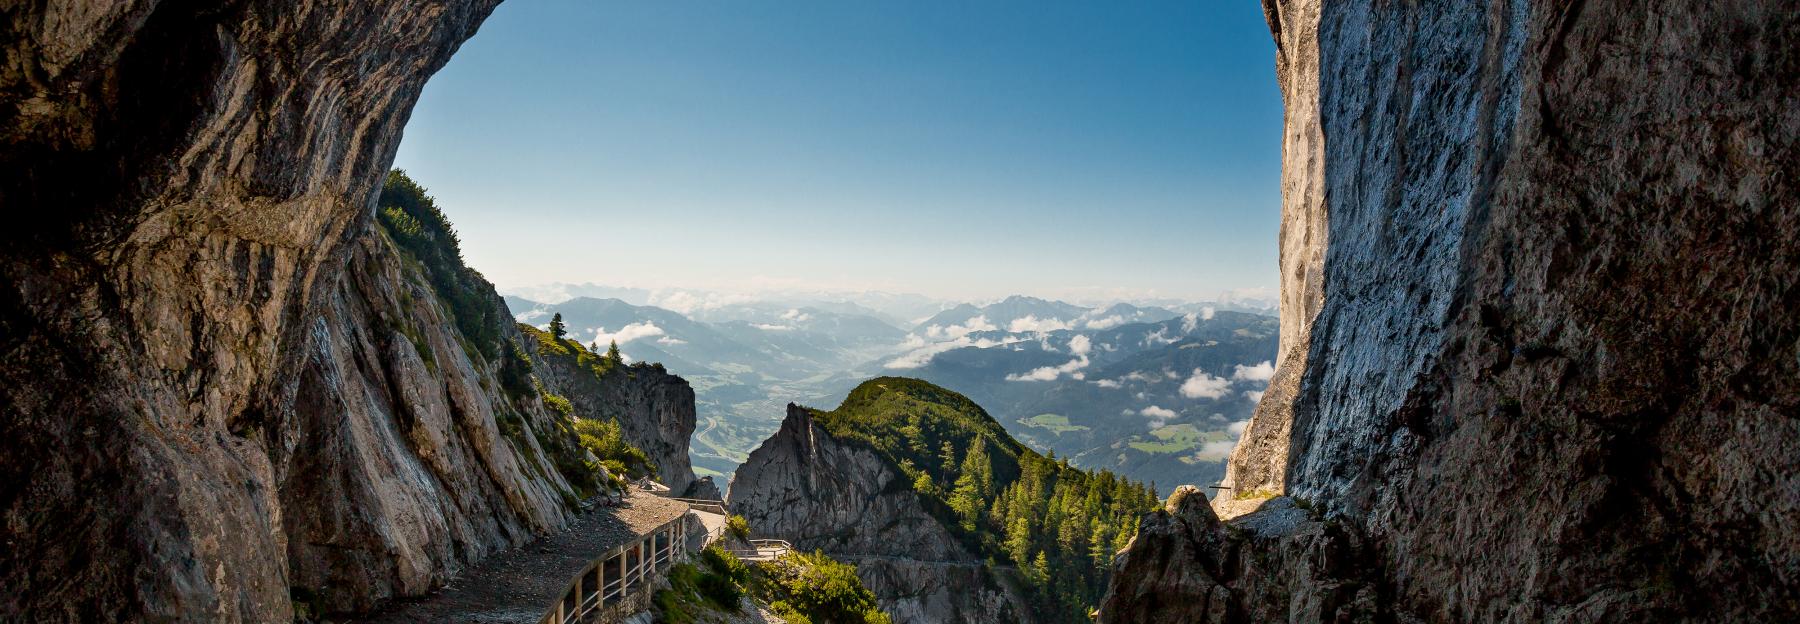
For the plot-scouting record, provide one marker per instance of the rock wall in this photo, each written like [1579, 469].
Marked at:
[1548, 364]
[393, 462]
[206, 417]
[655, 409]
[805, 486]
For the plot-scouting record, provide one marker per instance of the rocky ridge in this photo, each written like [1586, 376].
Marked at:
[818, 492]
[1540, 348]
[654, 408]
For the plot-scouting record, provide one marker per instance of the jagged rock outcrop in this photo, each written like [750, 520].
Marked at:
[703, 488]
[222, 395]
[1547, 366]
[1282, 563]
[821, 493]
[654, 408]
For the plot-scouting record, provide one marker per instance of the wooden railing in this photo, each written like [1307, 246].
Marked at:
[702, 504]
[763, 550]
[609, 579]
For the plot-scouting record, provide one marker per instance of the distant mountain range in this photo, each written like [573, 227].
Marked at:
[1160, 401]
[1154, 392]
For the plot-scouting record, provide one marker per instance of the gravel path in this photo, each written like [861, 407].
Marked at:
[517, 585]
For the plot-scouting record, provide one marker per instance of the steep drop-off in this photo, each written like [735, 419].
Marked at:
[1541, 358]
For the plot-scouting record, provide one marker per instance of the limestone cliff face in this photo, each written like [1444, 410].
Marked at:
[805, 486]
[1547, 366]
[655, 409]
[221, 394]
[400, 457]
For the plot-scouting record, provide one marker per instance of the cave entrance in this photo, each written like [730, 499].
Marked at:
[1045, 209]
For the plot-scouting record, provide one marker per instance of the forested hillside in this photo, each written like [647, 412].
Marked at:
[1055, 524]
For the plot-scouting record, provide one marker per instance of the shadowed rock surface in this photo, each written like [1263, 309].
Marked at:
[1547, 365]
[225, 393]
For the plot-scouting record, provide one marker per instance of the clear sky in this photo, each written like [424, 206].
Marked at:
[967, 150]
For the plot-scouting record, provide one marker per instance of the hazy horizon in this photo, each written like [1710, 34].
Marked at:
[684, 300]
[962, 153]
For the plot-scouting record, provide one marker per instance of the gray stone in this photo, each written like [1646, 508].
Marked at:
[1544, 366]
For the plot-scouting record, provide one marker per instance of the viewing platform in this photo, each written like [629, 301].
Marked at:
[605, 561]
[763, 550]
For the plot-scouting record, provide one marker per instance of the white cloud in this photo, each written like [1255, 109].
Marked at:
[796, 316]
[1159, 337]
[1204, 386]
[1206, 313]
[1254, 395]
[1190, 322]
[977, 324]
[1080, 345]
[1236, 429]
[1050, 373]
[1141, 376]
[1032, 323]
[922, 352]
[772, 327]
[1261, 372]
[534, 313]
[627, 333]
[1106, 322]
[1214, 451]
[688, 302]
[1158, 415]
[670, 340]
[1107, 383]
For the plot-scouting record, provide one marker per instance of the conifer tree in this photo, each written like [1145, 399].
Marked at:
[612, 353]
[557, 329]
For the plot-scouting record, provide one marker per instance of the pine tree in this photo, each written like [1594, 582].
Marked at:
[612, 353]
[557, 329]
[973, 486]
[1018, 539]
[1100, 544]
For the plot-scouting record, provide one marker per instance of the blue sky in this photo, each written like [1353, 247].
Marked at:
[963, 150]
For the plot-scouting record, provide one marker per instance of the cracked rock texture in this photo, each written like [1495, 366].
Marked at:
[1541, 332]
[1282, 563]
[655, 411]
[392, 467]
[222, 393]
[805, 486]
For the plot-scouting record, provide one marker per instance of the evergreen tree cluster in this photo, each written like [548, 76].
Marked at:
[414, 222]
[1056, 524]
